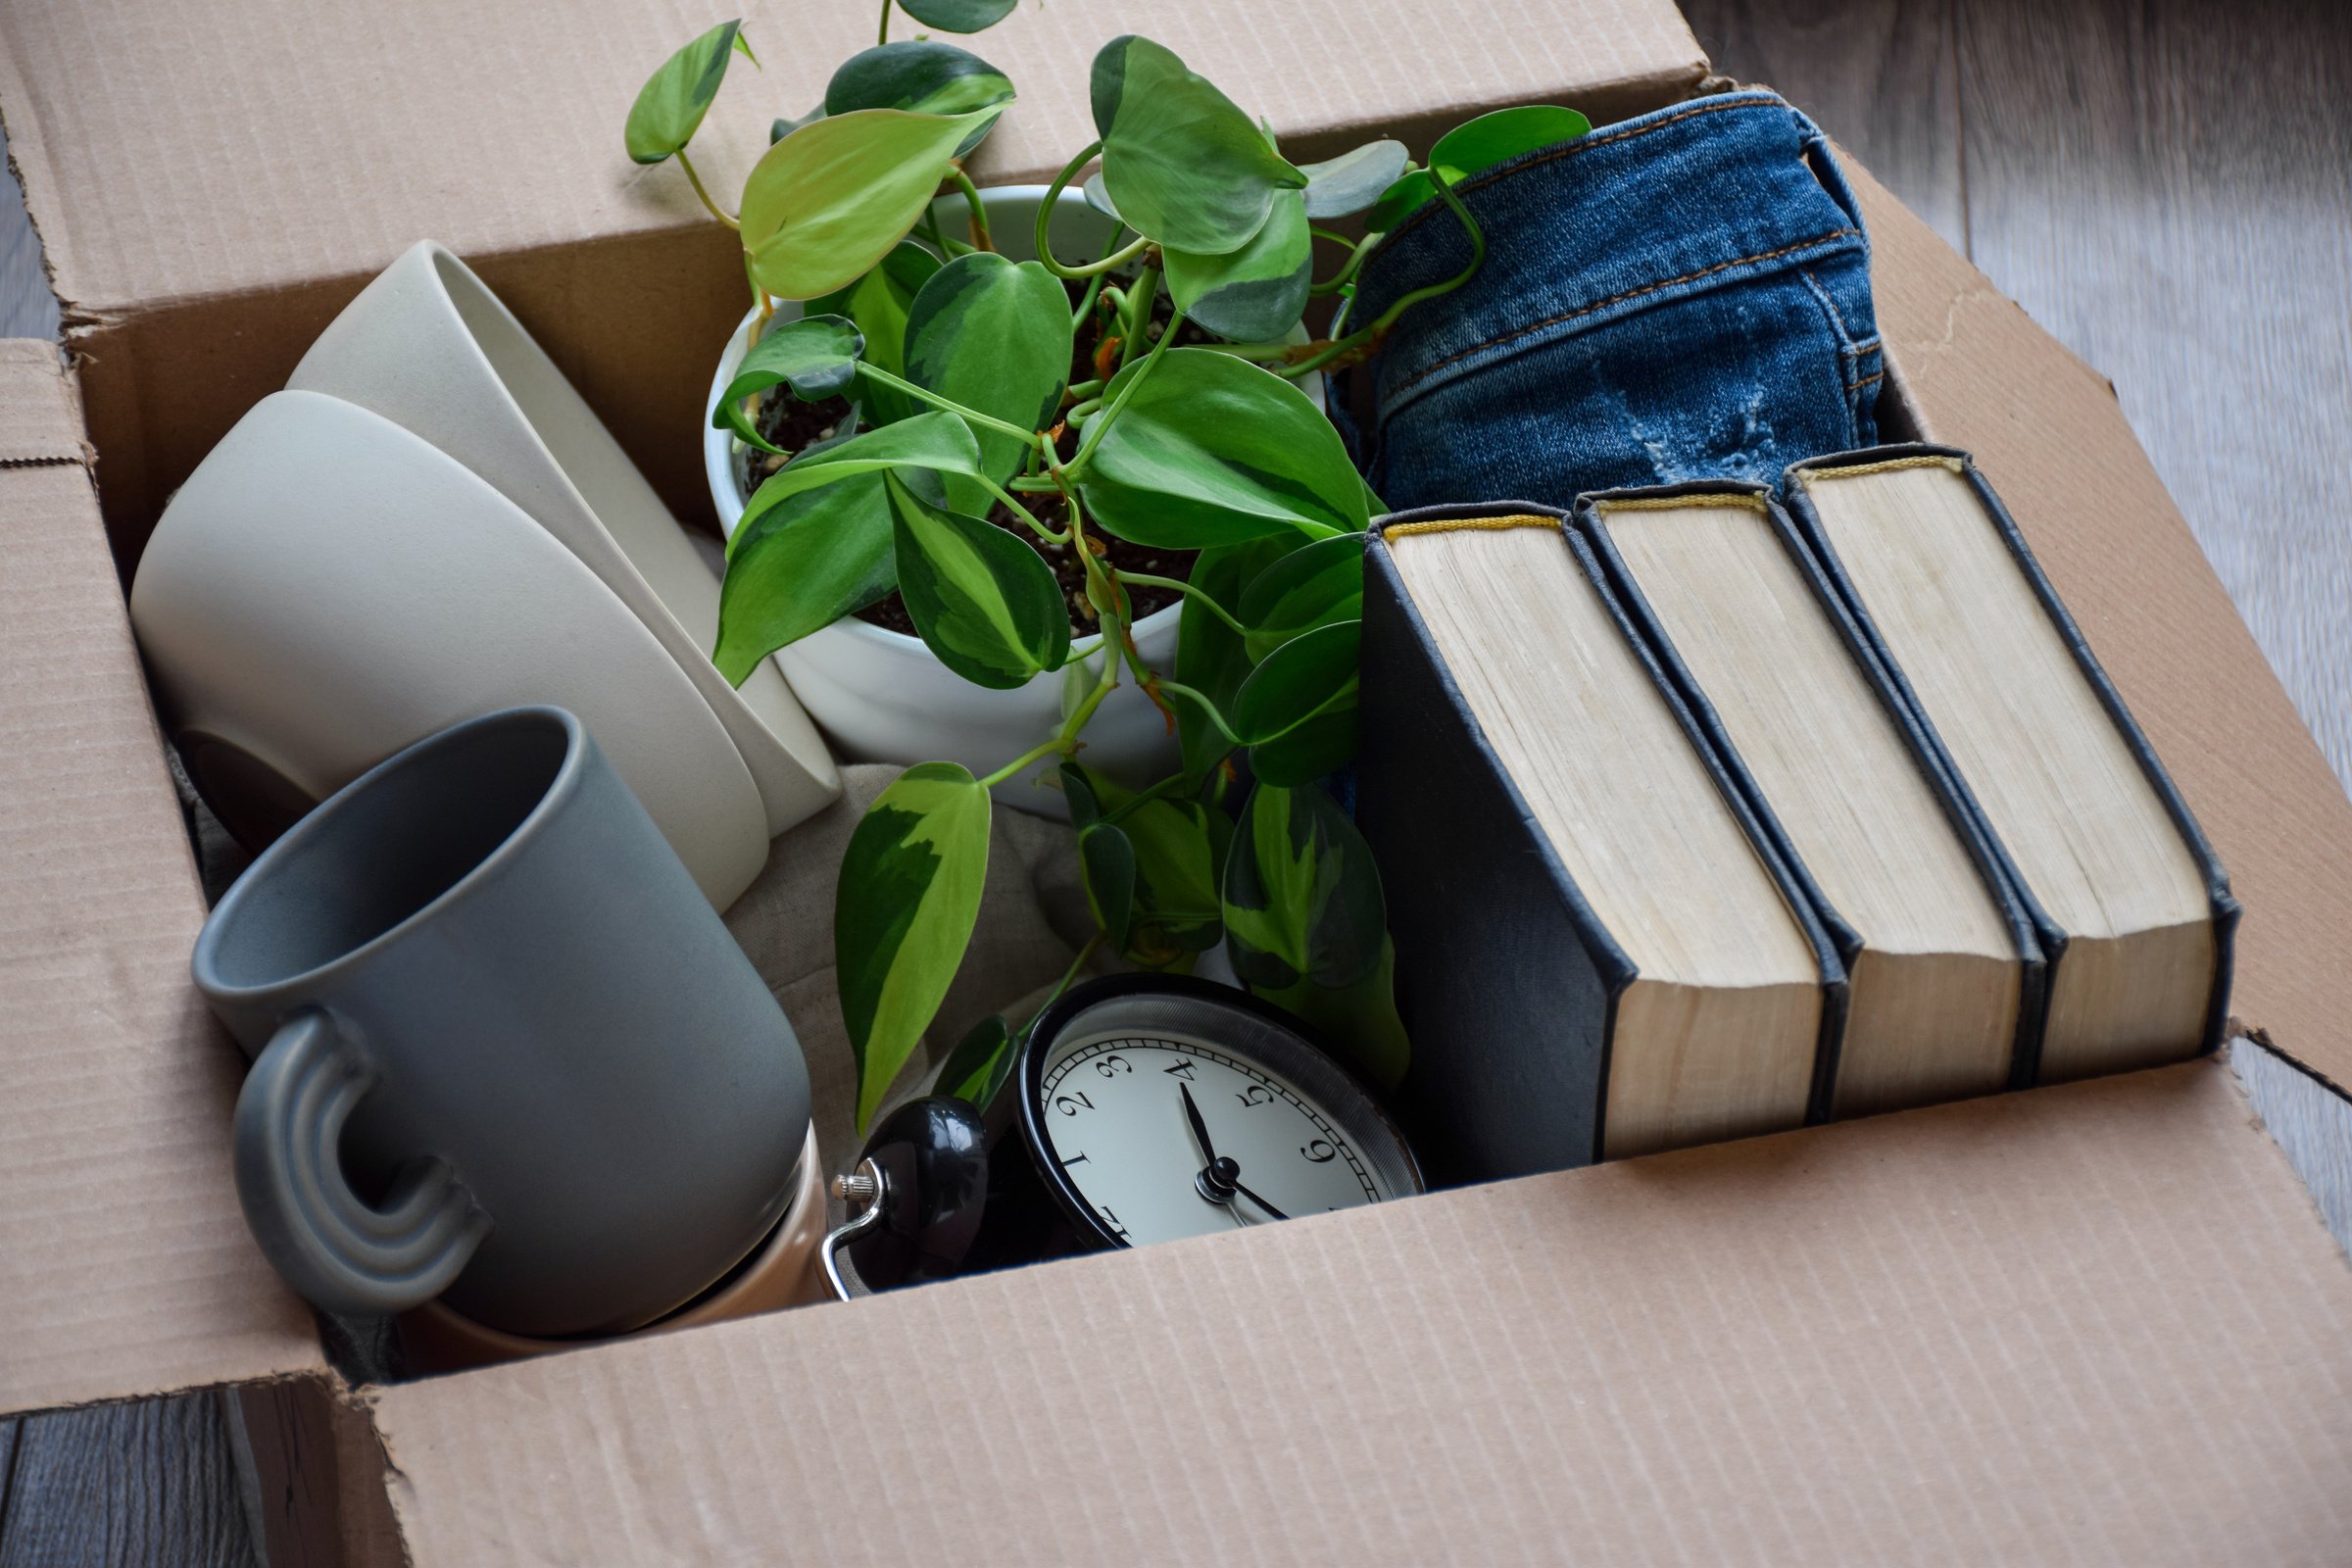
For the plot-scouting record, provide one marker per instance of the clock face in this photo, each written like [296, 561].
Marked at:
[1162, 1131]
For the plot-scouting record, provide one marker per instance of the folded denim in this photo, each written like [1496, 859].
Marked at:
[1682, 296]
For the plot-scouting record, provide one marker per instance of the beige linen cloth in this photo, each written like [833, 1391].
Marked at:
[1033, 919]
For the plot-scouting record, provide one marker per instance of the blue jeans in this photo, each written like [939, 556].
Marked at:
[1683, 296]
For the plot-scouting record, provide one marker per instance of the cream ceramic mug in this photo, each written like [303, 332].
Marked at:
[328, 588]
[430, 348]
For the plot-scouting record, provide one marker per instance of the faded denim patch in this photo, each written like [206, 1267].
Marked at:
[1683, 296]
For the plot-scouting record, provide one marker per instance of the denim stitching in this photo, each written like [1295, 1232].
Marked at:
[1568, 149]
[1428, 370]
[1848, 356]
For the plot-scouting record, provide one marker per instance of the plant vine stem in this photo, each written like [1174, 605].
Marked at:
[1347, 270]
[971, 199]
[1067, 976]
[1024, 762]
[1478, 256]
[1045, 214]
[1137, 325]
[1069, 472]
[883, 36]
[1166, 787]
[1025, 514]
[1172, 689]
[696, 181]
[1198, 596]
[950, 404]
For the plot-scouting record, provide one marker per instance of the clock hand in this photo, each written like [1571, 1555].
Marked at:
[1260, 1202]
[1192, 1112]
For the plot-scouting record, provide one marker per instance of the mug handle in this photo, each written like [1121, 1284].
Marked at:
[337, 1250]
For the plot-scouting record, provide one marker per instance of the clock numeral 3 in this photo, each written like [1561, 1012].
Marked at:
[1255, 1094]
[1112, 1066]
[1318, 1152]
[1068, 1104]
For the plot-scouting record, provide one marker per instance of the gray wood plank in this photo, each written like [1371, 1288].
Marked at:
[2312, 1123]
[2166, 185]
[127, 1486]
[1879, 75]
[8, 1460]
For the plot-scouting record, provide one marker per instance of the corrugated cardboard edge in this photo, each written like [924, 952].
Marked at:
[2095, 1322]
[2045, 428]
[126, 1267]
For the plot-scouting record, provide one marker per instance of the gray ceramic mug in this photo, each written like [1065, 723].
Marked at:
[503, 1050]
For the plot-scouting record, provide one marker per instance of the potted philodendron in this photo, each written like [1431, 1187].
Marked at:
[1020, 459]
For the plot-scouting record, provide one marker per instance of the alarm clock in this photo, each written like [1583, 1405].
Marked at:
[1145, 1108]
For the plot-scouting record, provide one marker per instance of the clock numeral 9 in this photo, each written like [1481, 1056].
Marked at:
[1318, 1152]
[1112, 1066]
[1070, 1104]
[1255, 1094]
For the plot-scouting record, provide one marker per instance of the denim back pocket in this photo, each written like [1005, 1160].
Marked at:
[1683, 296]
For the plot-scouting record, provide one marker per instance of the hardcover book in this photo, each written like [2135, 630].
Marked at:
[2129, 903]
[1944, 969]
[1601, 951]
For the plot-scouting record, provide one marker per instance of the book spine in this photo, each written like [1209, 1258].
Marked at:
[1506, 981]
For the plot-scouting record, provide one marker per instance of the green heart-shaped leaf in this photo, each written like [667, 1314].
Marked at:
[1109, 861]
[831, 199]
[1184, 165]
[1179, 856]
[878, 303]
[1353, 181]
[903, 915]
[957, 15]
[984, 602]
[1313, 750]
[670, 106]
[1210, 657]
[1210, 449]
[1254, 294]
[928, 78]
[810, 561]
[994, 336]
[939, 441]
[1097, 196]
[778, 129]
[1303, 677]
[1360, 1017]
[1314, 586]
[1303, 900]
[975, 1071]
[1473, 147]
[816, 356]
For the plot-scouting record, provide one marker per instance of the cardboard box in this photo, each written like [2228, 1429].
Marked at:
[2096, 1322]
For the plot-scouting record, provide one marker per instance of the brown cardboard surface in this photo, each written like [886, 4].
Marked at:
[2048, 434]
[212, 184]
[125, 1265]
[1986, 1333]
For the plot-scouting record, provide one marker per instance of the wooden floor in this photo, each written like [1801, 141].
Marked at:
[2165, 184]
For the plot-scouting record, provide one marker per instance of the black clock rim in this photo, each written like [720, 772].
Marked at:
[1058, 1015]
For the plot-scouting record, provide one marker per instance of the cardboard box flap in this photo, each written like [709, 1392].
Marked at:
[125, 1265]
[259, 144]
[2050, 436]
[2098, 1321]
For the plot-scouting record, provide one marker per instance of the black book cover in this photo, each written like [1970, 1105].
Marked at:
[1506, 979]
[2053, 938]
[1959, 811]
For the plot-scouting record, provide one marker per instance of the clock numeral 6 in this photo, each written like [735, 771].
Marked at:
[1318, 1152]
[1112, 1066]
[1255, 1094]
[1068, 1104]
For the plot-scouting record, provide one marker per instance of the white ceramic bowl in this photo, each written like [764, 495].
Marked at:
[430, 348]
[881, 695]
[328, 587]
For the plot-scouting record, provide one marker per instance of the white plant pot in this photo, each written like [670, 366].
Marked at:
[880, 694]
